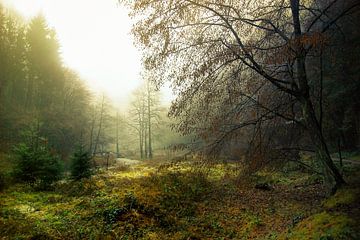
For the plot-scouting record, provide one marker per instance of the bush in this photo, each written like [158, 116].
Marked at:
[6, 168]
[35, 164]
[81, 164]
[2, 181]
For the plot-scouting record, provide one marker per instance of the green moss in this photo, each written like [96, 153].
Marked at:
[342, 197]
[324, 226]
[179, 203]
[355, 157]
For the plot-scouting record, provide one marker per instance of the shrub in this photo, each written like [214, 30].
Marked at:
[2, 181]
[36, 164]
[6, 168]
[81, 164]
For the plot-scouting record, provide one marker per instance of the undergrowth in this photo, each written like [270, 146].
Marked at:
[179, 202]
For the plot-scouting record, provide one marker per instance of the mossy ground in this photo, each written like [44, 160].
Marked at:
[179, 201]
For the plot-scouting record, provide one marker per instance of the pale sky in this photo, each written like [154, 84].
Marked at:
[95, 41]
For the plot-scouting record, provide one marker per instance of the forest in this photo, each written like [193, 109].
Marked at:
[260, 141]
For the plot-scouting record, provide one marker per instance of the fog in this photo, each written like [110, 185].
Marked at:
[96, 41]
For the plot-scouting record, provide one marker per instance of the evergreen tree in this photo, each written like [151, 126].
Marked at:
[35, 163]
[81, 164]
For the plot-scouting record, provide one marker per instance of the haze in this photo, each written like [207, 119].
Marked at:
[95, 41]
[261, 142]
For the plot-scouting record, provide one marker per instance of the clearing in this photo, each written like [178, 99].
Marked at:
[183, 200]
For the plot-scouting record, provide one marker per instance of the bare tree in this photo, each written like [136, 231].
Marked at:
[117, 135]
[144, 110]
[102, 137]
[249, 46]
[153, 109]
[137, 112]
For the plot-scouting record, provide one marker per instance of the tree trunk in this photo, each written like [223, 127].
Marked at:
[339, 152]
[141, 137]
[100, 124]
[311, 123]
[149, 119]
[141, 145]
[92, 132]
[146, 140]
[117, 136]
[318, 140]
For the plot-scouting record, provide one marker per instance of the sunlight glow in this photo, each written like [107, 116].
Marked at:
[95, 39]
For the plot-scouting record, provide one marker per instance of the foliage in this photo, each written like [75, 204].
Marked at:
[174, 203]
[5, 171]
[36, 164]
[232, 65]
[2, 181]
[343, 197]
[35, 85]
[325, 226]
[81, 164]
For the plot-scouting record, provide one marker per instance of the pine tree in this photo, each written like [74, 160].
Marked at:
[81, 164]
[35, 163]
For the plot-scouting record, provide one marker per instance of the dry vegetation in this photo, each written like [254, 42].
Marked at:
[181, 201]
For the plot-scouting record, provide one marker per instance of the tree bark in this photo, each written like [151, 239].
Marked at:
[117, 136]
[100, 124]
[339, 152]
[149, 119]
[146, 139]
[311, 122]
[318, 140]
[141, 135]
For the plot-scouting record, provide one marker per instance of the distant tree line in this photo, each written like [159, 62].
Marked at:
[48, 117]
[36, 88]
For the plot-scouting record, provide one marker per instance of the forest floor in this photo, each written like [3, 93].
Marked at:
[157, 200]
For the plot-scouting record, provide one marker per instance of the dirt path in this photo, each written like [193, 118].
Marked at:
[347, 161]
[126, 161]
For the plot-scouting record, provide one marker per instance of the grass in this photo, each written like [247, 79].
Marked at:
[179, 201]
[324, 225]
[343, 197]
